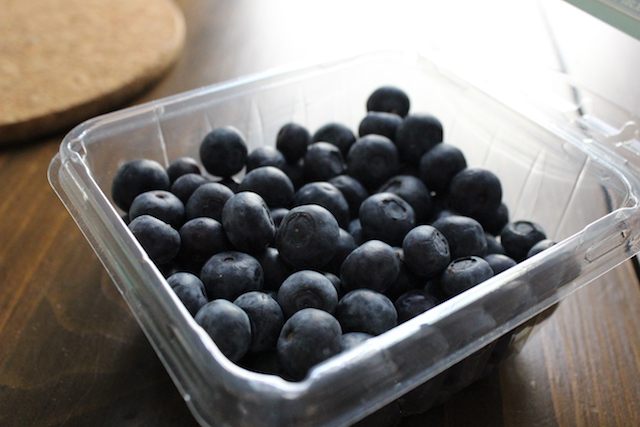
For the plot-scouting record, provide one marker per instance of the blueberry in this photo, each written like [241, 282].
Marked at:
[417, 134]
[336, 282]
[365, 310]
[439, 165]
[464, 273]
[426, 251]
[380, 123]
[292, 141]
[387, 217]
[182, 166]
[274, 268]
[350, 340]
[190, 289]
[308, 338]
[346, 244]
[229, 274]
[277, 214]
[540, 246]
[228, 326]
[475, 192]
[518, 237]
[494, 221]
[201, 238]
[353, 192]
[272, 184]
[464, 235]
[246, 219]
[499, 262]
[295, 172]
[326, 195]
[162, 204]
[308, 236]
[265, 156]
[413, 191]
[373, 265]
[266, 319]
[136, 177]
[372, 160]
[208, 200]
[414, 302]
[493, 245]
[307, 289]
[389, 99]
[406, 279]
[322, 162]
[158, 239]
[337, 134]
[184, 186]
[355, 229]
[223, 151]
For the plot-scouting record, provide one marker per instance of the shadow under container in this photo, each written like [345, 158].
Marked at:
[572, 170]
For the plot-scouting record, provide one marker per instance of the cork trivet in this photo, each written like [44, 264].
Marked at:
[64, 61]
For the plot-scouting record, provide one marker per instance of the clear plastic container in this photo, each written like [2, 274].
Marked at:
[573, 170]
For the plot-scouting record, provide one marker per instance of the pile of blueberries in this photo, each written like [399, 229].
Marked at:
[329, 238]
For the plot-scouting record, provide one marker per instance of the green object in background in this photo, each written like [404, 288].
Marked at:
[622, 14]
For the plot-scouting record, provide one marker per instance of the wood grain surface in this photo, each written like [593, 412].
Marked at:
[71, 353]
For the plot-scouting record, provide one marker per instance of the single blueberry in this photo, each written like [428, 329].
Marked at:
[189, 289]
[350, 340]
[223, 151]
[464, 235]
[326, 195]
[346, 244]
[208, 200]
[413, 191]
[277, 214]
[292, 141]
[182, 166]
[499, 262]
[439, 165]
[518, 237]
[414, 302]
[307, 338]
[475, 192]
[184, 186]
[201, 238]
[380, 123]
[275, 269]
[540, 246]
[464, 273]
[246, 219]
[493, 222]
[337, 134]
[365, 310]
[272, 184]
[372, 160]
[162, 204]
[157, 238]
[387, 217]
[373, 265]
[228, 326]
[426, 251]
[389, 99]
[353, 192]
[229, 274]
[136, 177]
[266, 319]
[417, 134]
[307, 289]
[308, 236]
[322, 161]
[265, 156]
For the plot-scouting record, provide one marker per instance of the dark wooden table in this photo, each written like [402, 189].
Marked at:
[72, 354]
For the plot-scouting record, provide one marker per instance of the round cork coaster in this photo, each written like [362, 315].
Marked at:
[65, 61]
